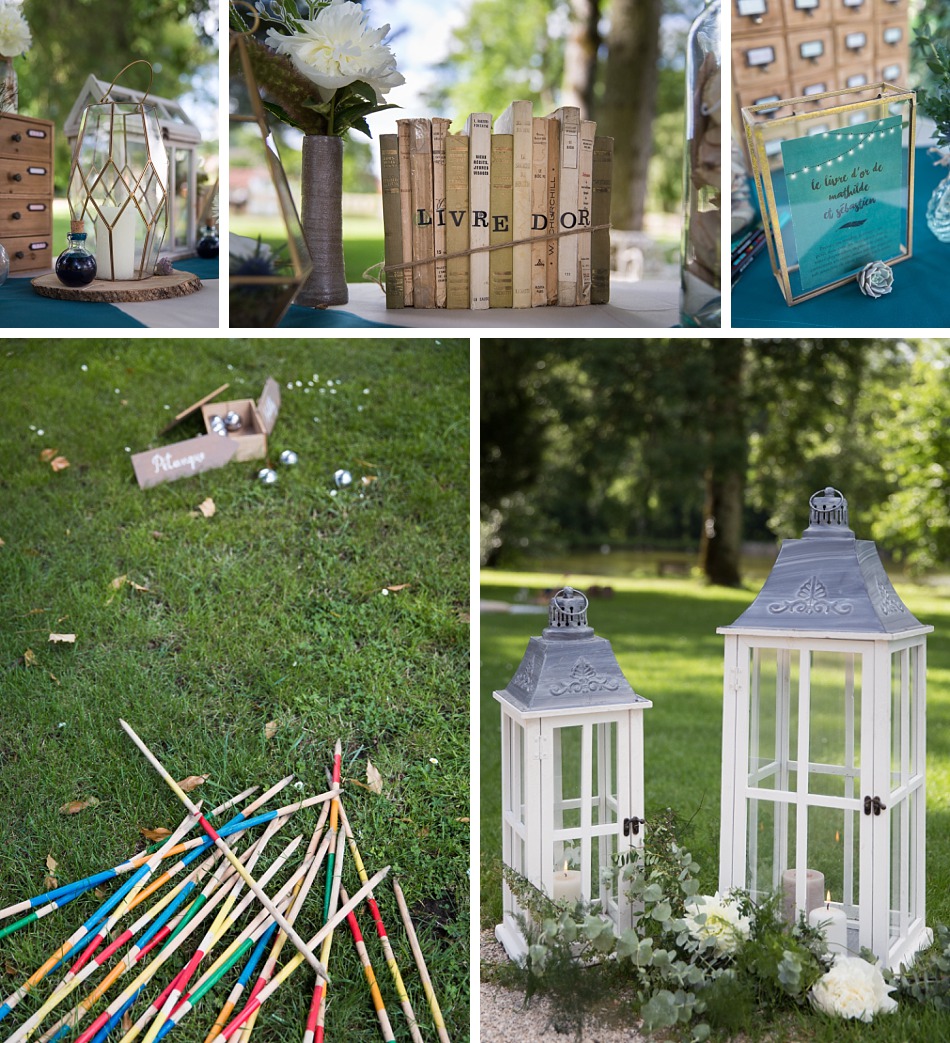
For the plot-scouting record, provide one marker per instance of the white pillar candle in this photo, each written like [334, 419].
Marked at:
[814, 892]
[567, 884]
[123, 243]
[833, 924]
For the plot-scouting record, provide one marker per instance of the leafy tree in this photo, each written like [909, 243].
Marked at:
[72, 40]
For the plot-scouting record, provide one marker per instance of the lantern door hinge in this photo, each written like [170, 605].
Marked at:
[874, 804]
[540, 750]
[631, 826]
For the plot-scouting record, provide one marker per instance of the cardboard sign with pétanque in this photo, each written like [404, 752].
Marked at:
[208, 451]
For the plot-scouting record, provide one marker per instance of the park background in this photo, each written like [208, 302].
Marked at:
[602, 465]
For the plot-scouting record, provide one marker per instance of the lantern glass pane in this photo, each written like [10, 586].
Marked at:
[603, 880]
[916, 707]
[568, 746]
[605, 804]
[899, 917]
[180, 202]
[773, 723]
[763, 867]
[833, 850]
[834, 723]
[900, 717]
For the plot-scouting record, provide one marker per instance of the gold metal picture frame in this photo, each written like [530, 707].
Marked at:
[849, 120]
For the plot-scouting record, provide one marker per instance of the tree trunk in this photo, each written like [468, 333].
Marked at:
[725, 474]
[629, 102]
[580, 55]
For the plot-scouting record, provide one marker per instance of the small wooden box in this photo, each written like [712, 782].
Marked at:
[811, 52]
[759, 59]
[756, 16]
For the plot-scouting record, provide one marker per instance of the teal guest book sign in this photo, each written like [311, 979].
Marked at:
[846, 198]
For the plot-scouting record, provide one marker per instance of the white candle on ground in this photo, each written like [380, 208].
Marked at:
[814, 892]
[567, 884]
[123, 243]
[833, 924]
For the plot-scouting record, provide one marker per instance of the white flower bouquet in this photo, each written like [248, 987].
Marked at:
[325, 73]
[15, 36]
[716, 919]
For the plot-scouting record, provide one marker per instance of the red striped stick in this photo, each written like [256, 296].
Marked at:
[385, 1026]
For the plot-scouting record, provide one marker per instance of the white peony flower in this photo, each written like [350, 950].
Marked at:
[15, 36]
[853, 988]
[716, 918]
[336, 49]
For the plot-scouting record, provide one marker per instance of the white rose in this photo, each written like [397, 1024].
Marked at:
[716, 918]
[336, 49]
[15, 37]
[853, 988]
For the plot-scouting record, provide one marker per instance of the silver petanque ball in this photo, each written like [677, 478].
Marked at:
[232, 421]
[267, 476]
[288, 457]
[342, 478]
[216, 421]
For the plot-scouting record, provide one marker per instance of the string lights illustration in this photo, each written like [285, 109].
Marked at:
[862, 140]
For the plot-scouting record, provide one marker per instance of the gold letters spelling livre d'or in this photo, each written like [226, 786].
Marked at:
[501, 222]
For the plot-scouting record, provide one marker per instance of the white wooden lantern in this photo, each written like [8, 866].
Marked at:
[572, 768]
[823, 752]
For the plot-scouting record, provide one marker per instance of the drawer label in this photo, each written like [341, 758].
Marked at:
[748, 8]
[36, 208]
[894, 34]
[858, 80]
[806, 5]
[39, 246]
[892, 72]
[34, 133]
[812, 49]
[815, 88]
[37, 170]
[855, 41]
[760, 56]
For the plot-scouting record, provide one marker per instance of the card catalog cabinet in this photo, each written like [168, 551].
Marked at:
[26, 191]
[793, 48]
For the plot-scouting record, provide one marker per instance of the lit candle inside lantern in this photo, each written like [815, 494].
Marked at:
[833, 924]
[814, 890]
[567, 884]
[123, 243]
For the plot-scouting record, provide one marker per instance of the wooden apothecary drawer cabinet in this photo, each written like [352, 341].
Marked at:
[26, 191]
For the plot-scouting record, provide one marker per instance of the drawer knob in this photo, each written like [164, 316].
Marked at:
[16, 177]
[19, 255]
[15, 216]
[16, 137]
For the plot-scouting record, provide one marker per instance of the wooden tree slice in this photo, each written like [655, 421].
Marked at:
[156, 288]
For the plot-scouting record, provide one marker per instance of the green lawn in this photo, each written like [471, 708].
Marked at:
[272, 610]
[663, 632]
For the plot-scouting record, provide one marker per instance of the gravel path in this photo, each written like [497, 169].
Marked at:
[504, 1017]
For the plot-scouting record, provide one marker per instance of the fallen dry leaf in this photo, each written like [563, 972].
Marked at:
[75, 806]
[126, 1023]
[99, 893]
[3, 542]
[53, 677]
[398, 586]
[463, 820]
[50, 883]
[117, 583]
[193, 782]
[48, 454]
[368, 479]
[156, 834]
[373, 778]
[60, 463]
[10, 968]
[156, 535]
[29, 658]
[51, 863]
[62, 639]
[270, 729]
[139, 587]
[207, 507]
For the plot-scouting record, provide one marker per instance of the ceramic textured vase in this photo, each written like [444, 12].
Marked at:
[938, 211]
[322, 220]
[9, 91]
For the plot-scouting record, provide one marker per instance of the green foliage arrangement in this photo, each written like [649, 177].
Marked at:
[702, 965]
[932, 45]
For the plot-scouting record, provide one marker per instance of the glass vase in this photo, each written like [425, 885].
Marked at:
[700, 299]
[321, 215]
[938, 211]
[76, 266]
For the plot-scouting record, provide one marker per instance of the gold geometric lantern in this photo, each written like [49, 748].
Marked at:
[118, 185]
[265, 270]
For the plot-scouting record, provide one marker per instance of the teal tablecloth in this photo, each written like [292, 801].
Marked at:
[298, 318]
[22, 308]
[920, 297]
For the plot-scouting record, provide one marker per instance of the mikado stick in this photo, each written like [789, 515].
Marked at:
[420, 963]
[258, 891]
[385, 1026]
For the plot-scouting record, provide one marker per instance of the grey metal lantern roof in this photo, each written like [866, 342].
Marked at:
[177, 127]
[828, 581]
[568, 666]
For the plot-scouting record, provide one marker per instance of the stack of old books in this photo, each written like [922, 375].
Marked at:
[515, 218]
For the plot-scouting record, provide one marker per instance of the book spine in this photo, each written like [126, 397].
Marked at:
[405, 205]
[585, 179]
[480, 199]
[440, 127]
[500, 221]
[554, 192]
[423, 233]
[522, 135]
[539, 211]
[392, 219]
[457, 292]
[567, 206]
[600, 215]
